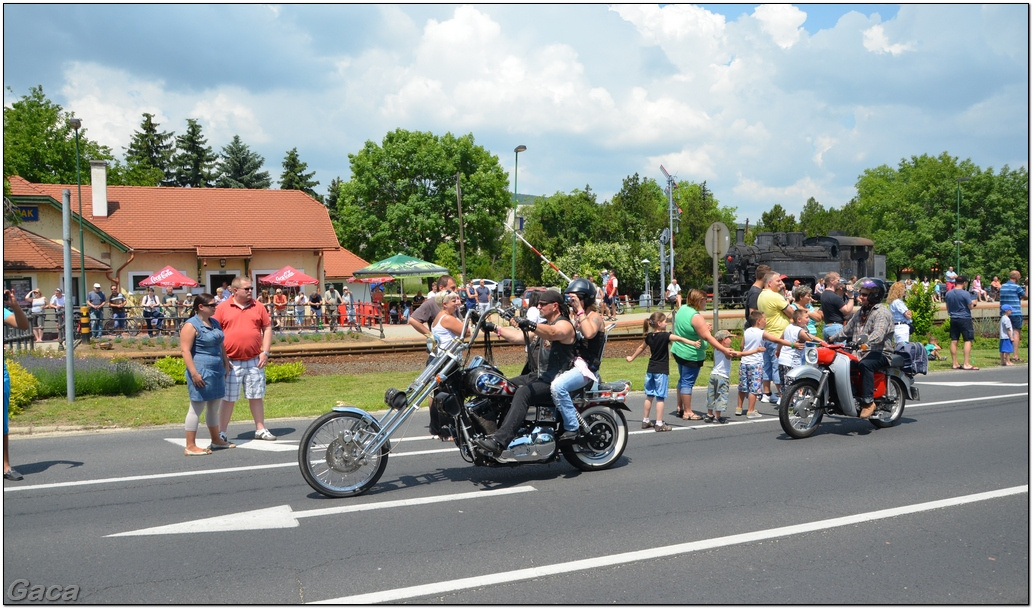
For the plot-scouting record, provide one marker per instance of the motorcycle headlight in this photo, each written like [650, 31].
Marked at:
[432, 342]
[810, 353]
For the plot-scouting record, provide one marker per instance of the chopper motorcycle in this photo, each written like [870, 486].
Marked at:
[828, 380]
[344, 452]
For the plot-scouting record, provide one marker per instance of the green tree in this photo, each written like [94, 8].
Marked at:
[294, 176]
[402, 196]
[776, 220]
[39, 145]
[239, 167]
[194, 161]
[638, 212]
[920, 302]
[133, 175]
[151, 149]
[692, 264]
[815, 220]
[333, 195]
[554, 224]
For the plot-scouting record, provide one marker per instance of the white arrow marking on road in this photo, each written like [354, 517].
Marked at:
[282, 517]
[273, 447]
[973, 384]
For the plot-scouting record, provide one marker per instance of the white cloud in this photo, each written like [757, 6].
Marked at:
[876, 41]
[782, 22]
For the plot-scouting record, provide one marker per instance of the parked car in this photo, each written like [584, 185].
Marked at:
[506, 291]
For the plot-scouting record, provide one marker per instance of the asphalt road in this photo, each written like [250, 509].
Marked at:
[935, 510]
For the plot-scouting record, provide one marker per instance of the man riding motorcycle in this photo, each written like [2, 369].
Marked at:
[875, 320]
[534, 387]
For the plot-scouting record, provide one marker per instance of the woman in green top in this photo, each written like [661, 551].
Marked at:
[689, 323]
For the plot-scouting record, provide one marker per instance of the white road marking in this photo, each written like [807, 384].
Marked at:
[494, 579]
[278, 446]
[764, 419]
[973, 384]
[282, 517]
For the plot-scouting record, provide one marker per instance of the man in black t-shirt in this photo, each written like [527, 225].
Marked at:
[754, 292]
[835, 306]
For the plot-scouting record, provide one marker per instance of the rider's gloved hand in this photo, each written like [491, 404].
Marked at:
[525, 324]
[489, 327]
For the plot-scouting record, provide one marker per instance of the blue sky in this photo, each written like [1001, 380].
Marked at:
[767, 103]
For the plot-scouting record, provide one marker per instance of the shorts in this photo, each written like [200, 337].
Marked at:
[750, 377]
[608, 300]
[245, 373]
[1006, 346]
[1016, 320]
[717, 393]
[687, 378]
[962, 328]
[656, 385]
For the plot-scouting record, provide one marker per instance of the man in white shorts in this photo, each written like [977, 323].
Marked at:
[249, 337]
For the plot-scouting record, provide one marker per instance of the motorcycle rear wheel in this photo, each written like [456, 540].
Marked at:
[605, 442]
[895, 394]
[329, 455]
[800, 411]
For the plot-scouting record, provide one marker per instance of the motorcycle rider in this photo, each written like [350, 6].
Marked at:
[875, 320]
[535, 386]
[591, 338]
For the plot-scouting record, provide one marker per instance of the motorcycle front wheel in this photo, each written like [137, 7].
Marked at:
[895, 399]
[604, 443]
[800, 410]
[331, 458]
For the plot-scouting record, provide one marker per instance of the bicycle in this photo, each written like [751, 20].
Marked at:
[130, 326]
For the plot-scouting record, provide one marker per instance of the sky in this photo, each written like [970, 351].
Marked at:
[770, 104]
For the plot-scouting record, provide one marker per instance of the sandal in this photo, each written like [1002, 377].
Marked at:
[662, 427]
[694, 417]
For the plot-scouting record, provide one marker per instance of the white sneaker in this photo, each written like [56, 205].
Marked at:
[753, 415]
[767, 399]
[263, 434]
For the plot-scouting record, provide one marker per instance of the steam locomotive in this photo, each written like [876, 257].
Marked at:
[802, 258]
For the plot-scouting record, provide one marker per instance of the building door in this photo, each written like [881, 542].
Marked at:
[215, 280]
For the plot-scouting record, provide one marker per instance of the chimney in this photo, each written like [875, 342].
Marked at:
[99, 182]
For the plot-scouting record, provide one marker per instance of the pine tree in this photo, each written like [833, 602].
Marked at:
[194, 161]
[294, 176]
[241, 168]
[332, 195]
[151, 149]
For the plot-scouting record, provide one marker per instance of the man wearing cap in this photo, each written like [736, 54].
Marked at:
[1011, 294]
[57, 302]
[779, 314]
[331, 300]
[117, 304]
[349, 305]
[534, 387]
[96, 300]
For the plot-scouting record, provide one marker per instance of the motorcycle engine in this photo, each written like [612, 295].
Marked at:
[484, 413]
[537, 445]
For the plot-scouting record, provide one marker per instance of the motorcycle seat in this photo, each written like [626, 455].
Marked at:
[896, 361]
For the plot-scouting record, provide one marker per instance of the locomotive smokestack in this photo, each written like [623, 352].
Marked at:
[740, 236]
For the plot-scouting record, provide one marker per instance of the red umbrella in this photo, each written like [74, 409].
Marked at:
[168, 277]
[288, 277]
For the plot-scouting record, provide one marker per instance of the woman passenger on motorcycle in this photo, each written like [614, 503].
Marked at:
[874, 320]
[446, 327]
[589, 325]
[901, 314]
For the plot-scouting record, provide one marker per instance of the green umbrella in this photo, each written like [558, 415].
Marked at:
[401, 265]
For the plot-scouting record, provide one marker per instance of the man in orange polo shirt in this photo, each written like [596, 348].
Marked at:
[249, 336]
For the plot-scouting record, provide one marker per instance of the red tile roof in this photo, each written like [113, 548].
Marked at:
[339, 264]
[167, 218]
[24, 250]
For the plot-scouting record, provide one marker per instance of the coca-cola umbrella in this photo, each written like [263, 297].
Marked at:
[168, 277]
[288, 277]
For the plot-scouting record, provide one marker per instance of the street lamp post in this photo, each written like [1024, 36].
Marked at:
[649, 295]
[76, 124]
[516, 203]
[957, 240]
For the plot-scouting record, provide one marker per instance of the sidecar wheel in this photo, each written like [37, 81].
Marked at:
[895, 400]
[603, 445]
[329, 455]
[800, 411]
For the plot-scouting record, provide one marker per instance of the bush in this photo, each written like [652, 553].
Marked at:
[93, 376]
[277, 373]
[152, 377]
[24, 387]
[174, 367]
[920, 302]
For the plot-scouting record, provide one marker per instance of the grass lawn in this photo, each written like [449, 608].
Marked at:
[311, 396]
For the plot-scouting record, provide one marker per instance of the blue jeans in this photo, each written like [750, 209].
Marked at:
[771, 363]
[561, 387]
[687, 378]
[831, 330]
[96, 322]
